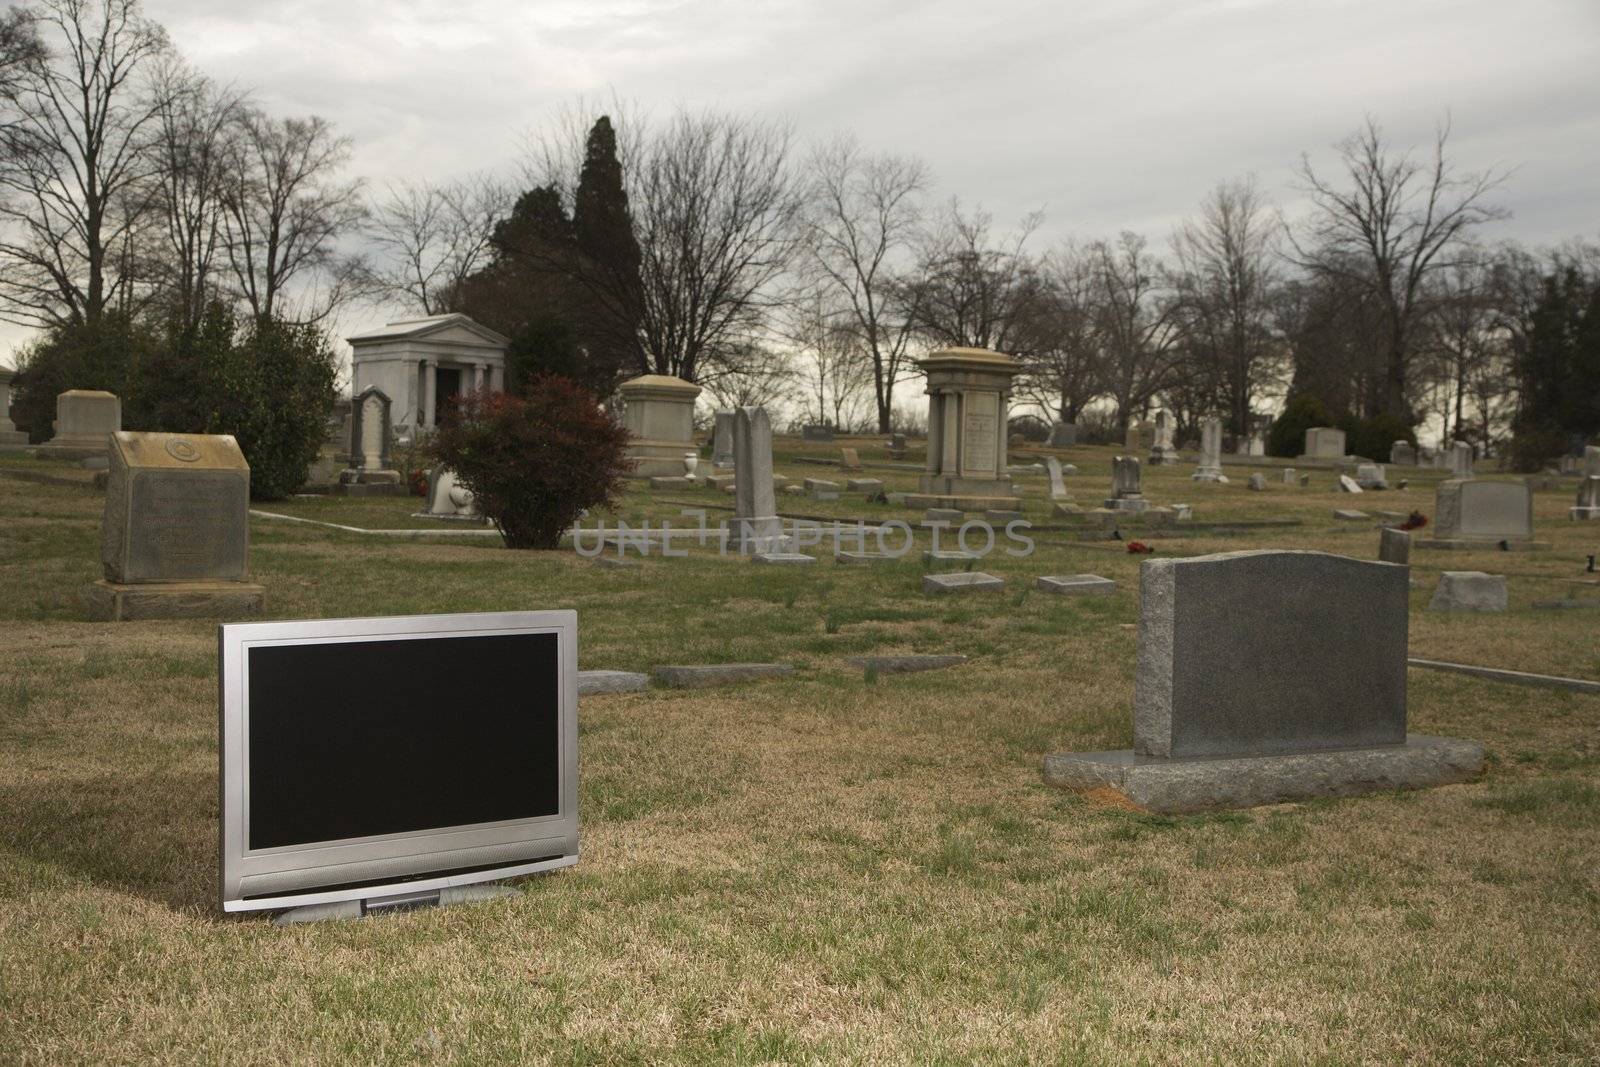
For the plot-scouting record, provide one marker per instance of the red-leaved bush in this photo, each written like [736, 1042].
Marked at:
[535, 461]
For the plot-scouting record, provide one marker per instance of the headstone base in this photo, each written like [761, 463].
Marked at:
[116, 602]
[1133, 504]
[74, 447]
[1583, 513]
[13, 440]
[1464, 544]
[1178, 786]
[1162, 456]
[959, 502]
[1208, 474]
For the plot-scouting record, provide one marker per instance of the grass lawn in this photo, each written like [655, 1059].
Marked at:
[825, 867]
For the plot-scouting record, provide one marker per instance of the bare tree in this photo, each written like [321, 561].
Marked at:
[20, 50]
[194, 146]
[1223, 282]
[970, 290]
[435, 236]
[833, 364]
[1396, 222]
[753, 375]
[286, 212]
[862, 212]
[1135, 322]
[78, 116]
[1065, 370]
[714, 206]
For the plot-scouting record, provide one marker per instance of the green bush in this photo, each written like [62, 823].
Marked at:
[534, 462]
[1374, 437]
[1301, 413]
[269, 384]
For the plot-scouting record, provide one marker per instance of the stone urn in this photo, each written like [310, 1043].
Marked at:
[462, 498]
[691, 462]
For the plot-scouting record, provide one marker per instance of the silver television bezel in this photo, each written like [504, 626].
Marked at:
[514, 847]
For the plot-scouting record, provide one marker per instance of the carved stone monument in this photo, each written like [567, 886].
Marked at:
[1242, 699]
[175, 535]
[1210, 468]
[1588, 505]
[722, 440]
[659, 415]
[1126, 494]
[1459, 459]
[370, 472]
[969, 394]
[756, 526]
[449, 499]
[1163, 450]
[1403, 454]
[85, 421]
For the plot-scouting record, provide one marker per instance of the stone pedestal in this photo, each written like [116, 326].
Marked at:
[969, 394]
[658, 412]
[85, 421]
[176, 530]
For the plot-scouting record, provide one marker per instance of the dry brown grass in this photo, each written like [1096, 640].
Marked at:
[817, 869]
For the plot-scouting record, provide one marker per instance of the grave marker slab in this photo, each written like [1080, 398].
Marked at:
[1243, 699]
[175, 534]
[1469, 591]
[964, 582]
[1075, 585]
[1475, 513]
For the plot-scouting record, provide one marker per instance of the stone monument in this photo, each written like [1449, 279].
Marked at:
[370, 472]
[722, 440]
[1403, 454]
[1325, 443]
[1163, 451]
[10, 437]
[448, 498]
[659, 415]
[1063, 434]
[1479, 514]
[1125, 490]
[1210, 469]
[1459, 459]
[1371, 476]
[1058, 487]
[1588, 505]
[1242, 699]
[969, 393]
[85, 421]
[756, 527]
[175, 535]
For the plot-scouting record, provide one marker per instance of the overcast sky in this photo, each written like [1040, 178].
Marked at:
[1108, 115]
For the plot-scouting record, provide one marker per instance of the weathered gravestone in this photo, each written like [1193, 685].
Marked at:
[849, 459]
[1210, 468]
[175, 534]
[1588, 505]
[1211, 442]
[1473, 514]
[1469, 591]
[1258, 482]
[1125, 480]
[1394, 546]
[1324, 442]
[1058, 488]
[371, 471]
[1243, 699]
[969, 396]
[816, 433]
[85, 421]
[658, 411]
[756, 526]
[1459, 459]
[897, 445]
[1371, 476]
[1403, 454]
[1163, 450]
[448, 498]
[1289, 476]
[1063, 434]
[722, 440]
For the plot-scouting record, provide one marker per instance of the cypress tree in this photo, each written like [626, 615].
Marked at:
[609, 256]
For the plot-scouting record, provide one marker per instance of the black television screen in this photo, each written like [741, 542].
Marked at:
[353, 739]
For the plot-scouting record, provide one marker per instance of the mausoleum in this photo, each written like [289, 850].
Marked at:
[421, 363]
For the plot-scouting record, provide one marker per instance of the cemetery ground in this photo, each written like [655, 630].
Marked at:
[828, 866]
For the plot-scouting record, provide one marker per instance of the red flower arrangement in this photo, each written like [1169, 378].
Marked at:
[1138, 548]
[1415, 521]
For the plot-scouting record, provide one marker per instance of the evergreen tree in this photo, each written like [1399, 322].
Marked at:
[608, 257]
[1559, 371]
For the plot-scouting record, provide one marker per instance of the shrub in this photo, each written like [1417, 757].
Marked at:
[107, 355]
[277, 382]
[534, 462]
[1301, 413]
[1374, 437]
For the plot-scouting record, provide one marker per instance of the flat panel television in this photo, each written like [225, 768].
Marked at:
[386, 759]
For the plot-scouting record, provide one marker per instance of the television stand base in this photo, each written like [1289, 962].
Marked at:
[356, 909]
